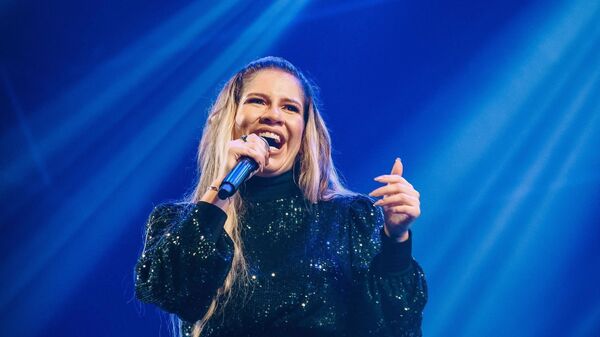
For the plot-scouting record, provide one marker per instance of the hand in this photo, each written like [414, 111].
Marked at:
[400, 202]
[254, 147]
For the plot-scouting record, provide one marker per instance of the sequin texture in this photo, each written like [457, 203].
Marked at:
[315, 270]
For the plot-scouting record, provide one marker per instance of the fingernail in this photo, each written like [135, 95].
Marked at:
[398, 159]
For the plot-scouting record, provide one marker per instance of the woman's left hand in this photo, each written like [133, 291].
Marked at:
[400, 202]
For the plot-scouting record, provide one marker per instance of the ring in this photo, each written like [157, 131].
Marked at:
[244, 138]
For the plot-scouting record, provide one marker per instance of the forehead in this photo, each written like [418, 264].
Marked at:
[274, 82]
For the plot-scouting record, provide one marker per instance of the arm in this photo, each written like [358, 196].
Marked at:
[400, 284]
[186, 257]
[389, 287]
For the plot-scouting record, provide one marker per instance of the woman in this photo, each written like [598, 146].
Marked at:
[293, 253]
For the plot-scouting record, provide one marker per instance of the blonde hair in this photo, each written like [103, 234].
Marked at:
[318, 179]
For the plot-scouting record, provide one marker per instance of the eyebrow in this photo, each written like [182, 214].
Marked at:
[286, 99]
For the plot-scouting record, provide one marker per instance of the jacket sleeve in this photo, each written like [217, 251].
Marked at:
[388, 284]
[187, 255]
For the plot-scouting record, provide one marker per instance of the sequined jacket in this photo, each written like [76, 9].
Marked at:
[314, 270]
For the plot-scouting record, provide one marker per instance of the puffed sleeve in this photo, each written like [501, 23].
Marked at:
[388, 285]
[187, 255]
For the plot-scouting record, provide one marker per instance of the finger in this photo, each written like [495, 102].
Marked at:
[262, 152]
[392, 178]
[398, 200]
[258, 157]
[393, 189]
[254, 154]
[412, 211]
[254, 147]
[253, 138]
[397, 168]
[259, 146]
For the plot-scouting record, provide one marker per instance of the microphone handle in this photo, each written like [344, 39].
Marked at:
[236, 177]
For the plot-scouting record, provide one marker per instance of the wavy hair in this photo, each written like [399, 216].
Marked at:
[318, 178]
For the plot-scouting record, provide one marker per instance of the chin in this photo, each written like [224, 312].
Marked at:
[268, 172]
[273, 169]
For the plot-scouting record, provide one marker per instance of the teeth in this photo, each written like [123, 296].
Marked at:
[270, 135]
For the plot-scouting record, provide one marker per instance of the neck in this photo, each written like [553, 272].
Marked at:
[270, 188]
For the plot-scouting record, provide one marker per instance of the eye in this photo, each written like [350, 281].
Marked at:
[255, 100]
[291, 107]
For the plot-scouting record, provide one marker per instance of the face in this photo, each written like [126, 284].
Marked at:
[272, 105]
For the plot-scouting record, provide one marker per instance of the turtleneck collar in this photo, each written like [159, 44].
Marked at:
[270, 188]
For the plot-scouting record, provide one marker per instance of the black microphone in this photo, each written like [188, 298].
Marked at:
[240, 173]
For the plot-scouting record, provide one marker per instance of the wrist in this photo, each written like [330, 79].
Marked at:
[211, 196]
[399, 235]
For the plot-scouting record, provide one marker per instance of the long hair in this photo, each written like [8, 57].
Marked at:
[318, 179]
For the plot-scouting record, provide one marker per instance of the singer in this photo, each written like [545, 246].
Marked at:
[293, 252]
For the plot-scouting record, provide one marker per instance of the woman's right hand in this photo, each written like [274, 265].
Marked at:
[254, 147]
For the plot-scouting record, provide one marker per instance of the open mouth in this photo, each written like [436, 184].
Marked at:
[272, 138]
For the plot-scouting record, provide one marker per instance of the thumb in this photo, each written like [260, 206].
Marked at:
[398, 168]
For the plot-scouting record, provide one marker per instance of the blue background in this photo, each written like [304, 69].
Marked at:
[493, 107]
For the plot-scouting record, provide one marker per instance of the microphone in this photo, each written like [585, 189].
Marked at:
[240, 173]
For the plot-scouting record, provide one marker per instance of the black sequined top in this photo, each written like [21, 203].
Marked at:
[315, 270]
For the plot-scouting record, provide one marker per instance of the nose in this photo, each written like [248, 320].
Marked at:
[272, 115]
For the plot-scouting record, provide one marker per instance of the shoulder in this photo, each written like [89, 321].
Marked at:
[363, 222]
[180, 211]
[169, 208]
[355, 206]
[352, 202]
[165, 213]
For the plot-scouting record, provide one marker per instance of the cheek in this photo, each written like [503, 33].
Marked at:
[239, 118]
[246, 116]
[298, 135]
[241, 122]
